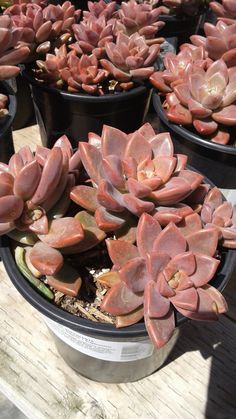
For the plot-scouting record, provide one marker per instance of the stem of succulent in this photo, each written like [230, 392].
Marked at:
[20, 261]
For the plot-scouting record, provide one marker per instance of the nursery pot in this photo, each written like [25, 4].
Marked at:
[25, 115]
[6, 142]
[216, 161]
[180, 26]
[99, 351]
[74, 114]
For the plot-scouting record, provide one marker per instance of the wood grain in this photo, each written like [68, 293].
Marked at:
[199, 380]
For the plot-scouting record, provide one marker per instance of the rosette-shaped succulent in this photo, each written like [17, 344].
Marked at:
[225, 10]
[91, 35]
[206, 99]
[141, 18]
[178, 67]
[165, 270]
[41, 27]
[220, 214]
[9, 55]
[71, 72]
[100, 8]
[31, 185]
[220, 41]
[130, 58]
[133, 174]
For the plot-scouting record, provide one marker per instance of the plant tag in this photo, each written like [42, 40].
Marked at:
[106, 350]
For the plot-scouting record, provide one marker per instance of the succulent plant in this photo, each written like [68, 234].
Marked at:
[141, 18]
[40, 26]
[133, 174]
[165, 270]
[224, 10]
[205, 99]
[100, 8]
[219, 43]
[66, 70]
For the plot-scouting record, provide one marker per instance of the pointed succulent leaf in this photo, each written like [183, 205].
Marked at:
[164, 287]
[120, 252]
[15, 164]
[63, 232]
[6, 184]
[174, 191]
[113, 142]
[109, 197]
[27, 180]
[190, 224]
[113, 170]
[186, 299]
[138, 148]
[108, 221]
[218, 298]
[39, 226]
[206, 267]
[192, 177]
[147, 131]
[155, 304]
[67, 280]
[138, 189]
[120, 300]
[41, 154]
[162, 145]
[128, 231]
[45, 259]
[170, 241]
[91, 159]
[65, 144]
[185, 262]
[134, 274]
[160, 330]
[206, 309]
[11, 207]
[108, 279]
[147, 231]
[203, 241]
[85, 196]
[50, 176]
[155, 263]
[225, 116]
[164, 167]
[131, 318]
[136, 205]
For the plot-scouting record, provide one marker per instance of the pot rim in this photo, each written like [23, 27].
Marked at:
[183, 132]
[83, 97]
[7, 90]
[80, 324]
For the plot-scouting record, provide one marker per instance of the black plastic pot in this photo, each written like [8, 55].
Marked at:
[216, 161]
[6, 142]
[180, 26]
[99, 351]
[75, 114]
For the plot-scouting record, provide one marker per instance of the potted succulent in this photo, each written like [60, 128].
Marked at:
[224, 10]
[150, 238]
[88, 73]
[197, 102]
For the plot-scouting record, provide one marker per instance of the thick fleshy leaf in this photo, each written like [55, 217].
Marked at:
[136, 205]
[67, 280]
[121, 251]
[50, 176]
[63, 232]
[193, 178]
[61, 207]
[198, 196]
[64, 143]
[186, 299]
[203, 241]
[120, 300]
[27, 180]
[41, 154]
[162, 145]
[147, 131]
[206, 310]
[214, 198]
[147, 231]
[109, 197]
[175, 190]
[165, 215]
[190, 224]
[155, 263]
[164, 287]
[170, 241]
[164, 167]
[206, 267]
[6, 184]
[85, 196]
[181, 162]
[108, 279]
[138, 189]
[15, 164]
[131, 318]
[108, 221]
[160, 330]
[91, 159]
[11, 207]
[39, 226]
[224, 211]
[183, 262]
[47, 260]
[113, 142]
[113, 171]
[138, 147]
[155, 304]
[6, 227]
[226, 116]
[218, 298]
[134, 274]
[178, 114]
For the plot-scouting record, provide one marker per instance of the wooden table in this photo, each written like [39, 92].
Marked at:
[199, 380]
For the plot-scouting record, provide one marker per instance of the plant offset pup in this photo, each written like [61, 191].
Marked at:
[161, 223]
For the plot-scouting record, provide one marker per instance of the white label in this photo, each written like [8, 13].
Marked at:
[102, 349]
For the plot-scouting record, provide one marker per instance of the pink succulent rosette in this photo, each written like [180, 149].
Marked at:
[133, 174]
[219, 43]
[165, 270]
[225, 10]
